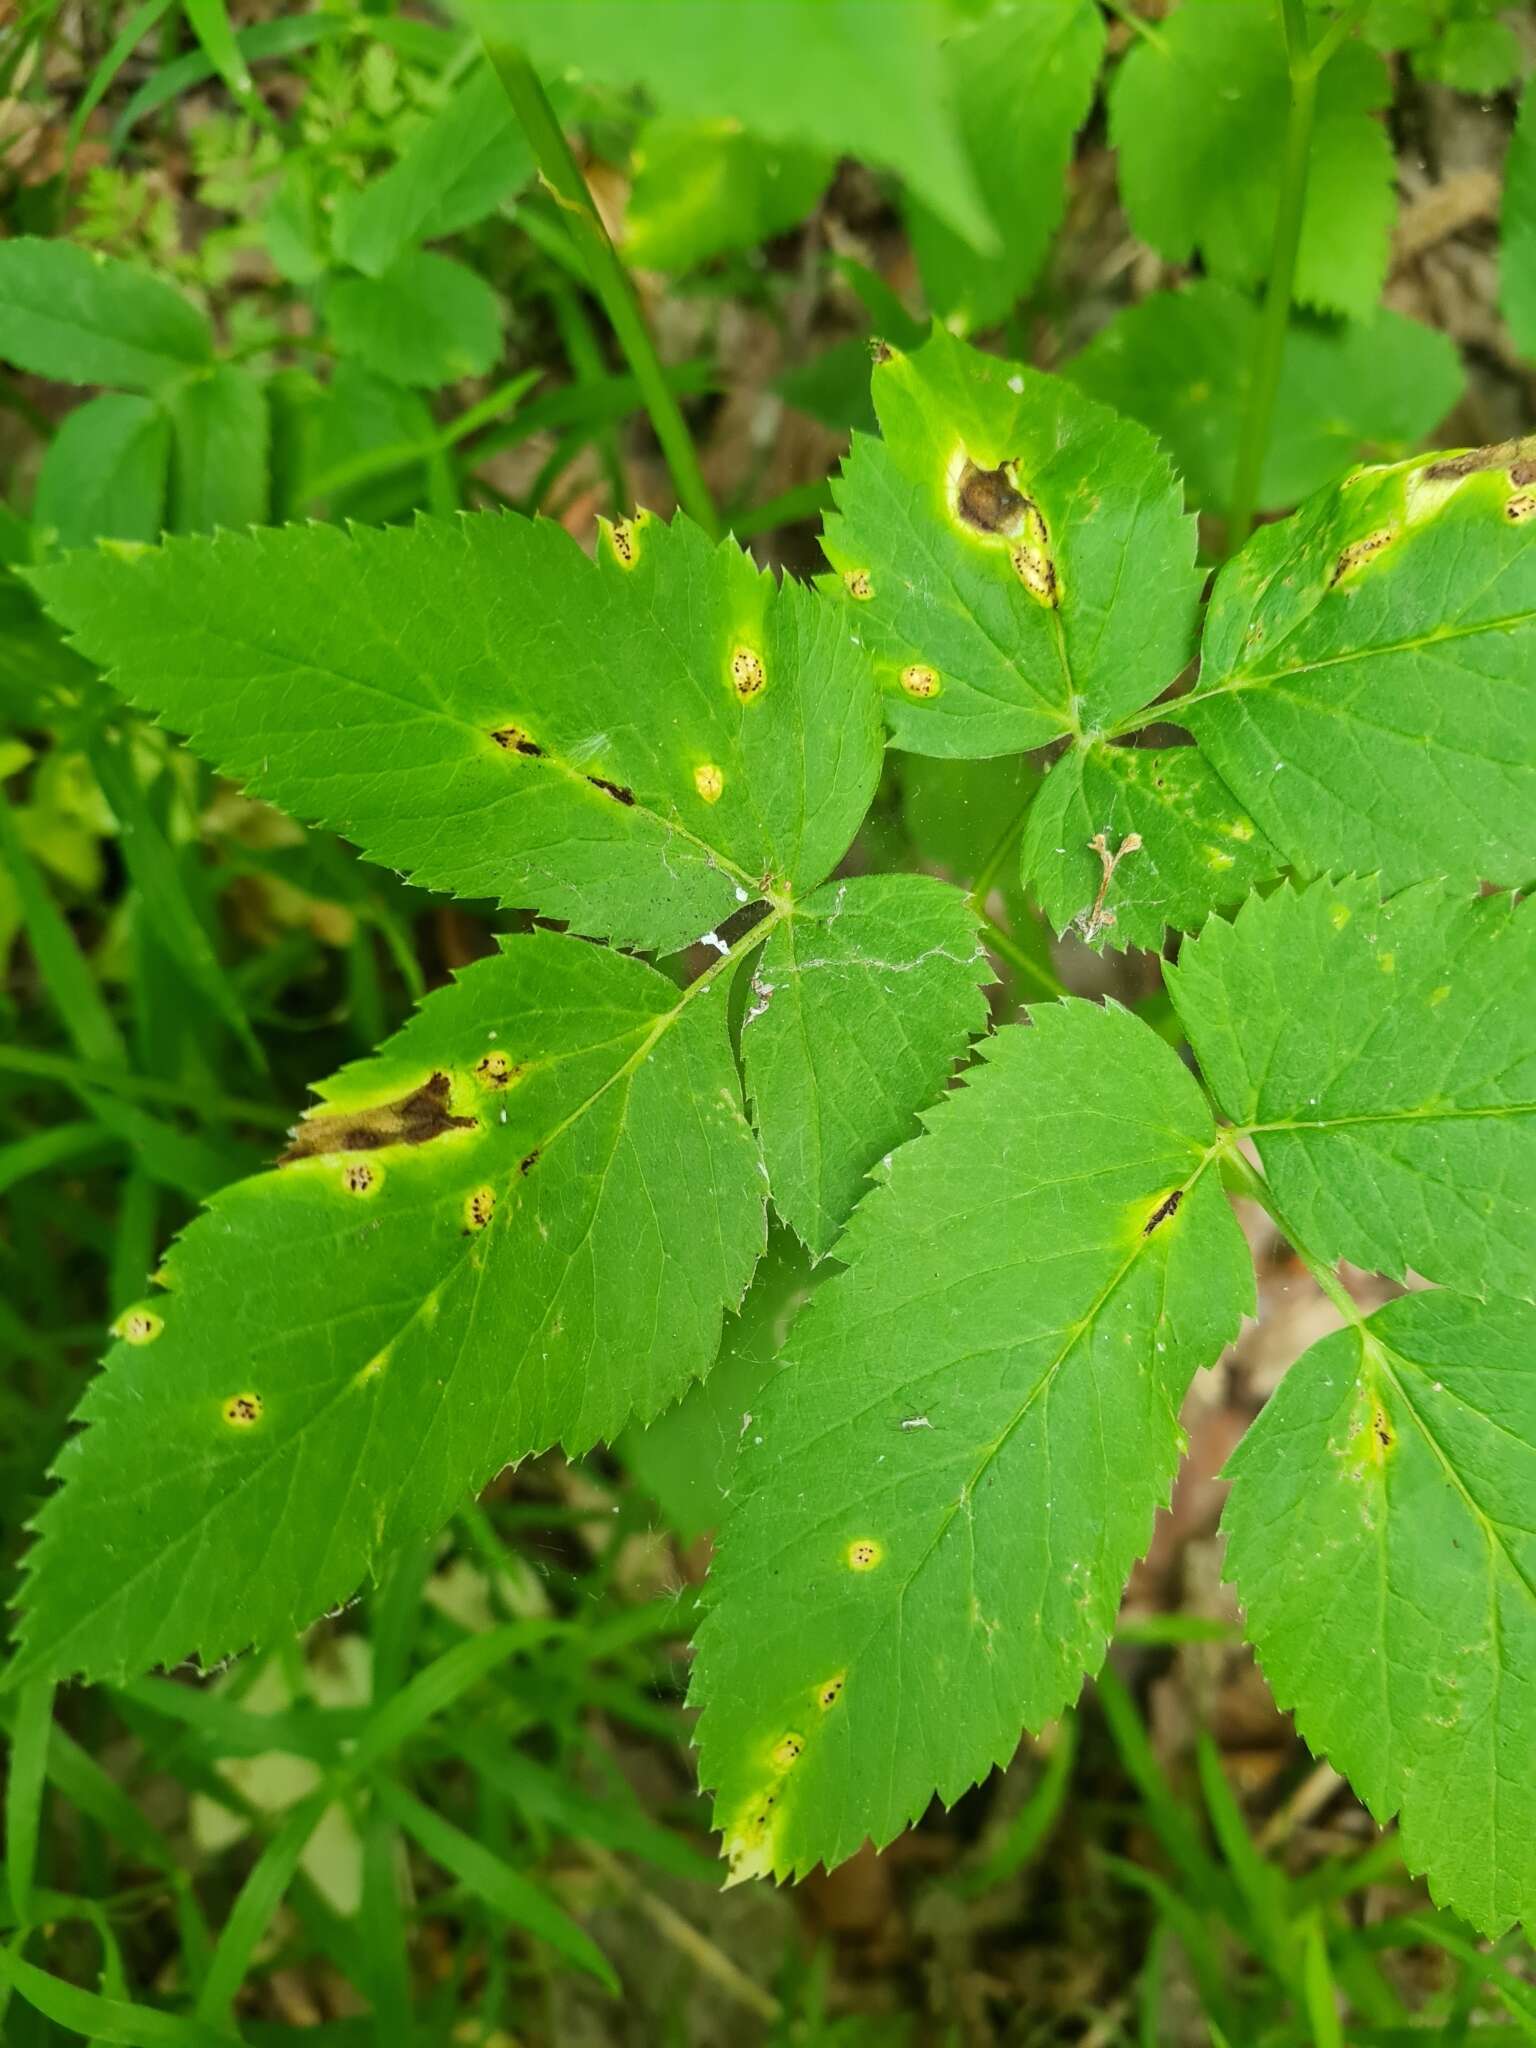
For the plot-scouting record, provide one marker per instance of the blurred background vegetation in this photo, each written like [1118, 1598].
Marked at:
[463, 1809]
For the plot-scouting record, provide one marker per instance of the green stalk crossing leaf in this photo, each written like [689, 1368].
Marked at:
[946, 1483]
[638, 744]
[518, 1224]
[1379, 1535]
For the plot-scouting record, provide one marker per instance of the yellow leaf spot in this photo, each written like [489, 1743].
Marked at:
[830, 1691]
[1387, 962]
[496, 1070]
[708, 781]
[242, 1411]
[1339, 916]
[358, 1177]
[920, 681]
[864, 1554]
[748, 676]
[859, 585]
[138, 1326]
[787, 1750]
[1438, 996]
[479, 1208]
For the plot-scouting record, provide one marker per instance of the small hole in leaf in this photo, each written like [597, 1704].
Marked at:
[242, 1410]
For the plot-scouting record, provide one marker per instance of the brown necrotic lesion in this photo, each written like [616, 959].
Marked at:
[415, 1119]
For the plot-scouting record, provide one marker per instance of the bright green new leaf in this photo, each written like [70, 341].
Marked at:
[456, 170]
[1379, 1536]
[1022, 80]
[1017, 558]
[518, 1224]
[1198, 118]
[857, 78]
[219, 455]
[1198, 849]
[425, 320]
[861, 1003]
[1182, 363]
[86, 319]
[945, 1485]
[702, 187]
[104, 473]
[1366, 674]
[1383, 1056]
[1517, 231]
[684, 1457]
[638, 745]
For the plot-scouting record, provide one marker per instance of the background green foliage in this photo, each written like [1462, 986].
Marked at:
[270, 267]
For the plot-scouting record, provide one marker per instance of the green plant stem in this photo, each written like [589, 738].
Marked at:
[1274, 320]
[606, 275]
[1004, 943]
[1241, 1178]
[1122, 10]
[997, 859]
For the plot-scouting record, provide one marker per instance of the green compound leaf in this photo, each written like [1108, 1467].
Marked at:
[684, 1457]
[519, 1224]
[1188, 848]
[1366, 673]
[638, 744]
[947, 1482]
[219, 465]
[861, 1003]
[104, 473]
[86, 319]
[425, 320]
[1181, 363]
[1383, 1055]
[702, 187]
[1016, 558]
[1046, 58]
[1379, 1536]
[454, 171]
[854, 77]
[1198, 119]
